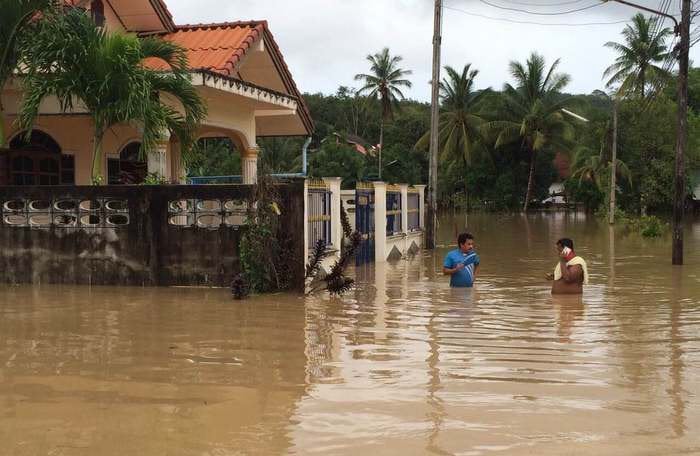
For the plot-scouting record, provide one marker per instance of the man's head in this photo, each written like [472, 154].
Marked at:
[465, 241]
[564, 242]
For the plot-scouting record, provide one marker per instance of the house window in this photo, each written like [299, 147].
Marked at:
[97, 11]
[38, 161]
[129, 168]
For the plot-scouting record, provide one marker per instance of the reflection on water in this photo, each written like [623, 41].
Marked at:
[402, 365]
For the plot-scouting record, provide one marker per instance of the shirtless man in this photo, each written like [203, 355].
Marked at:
[571, 273]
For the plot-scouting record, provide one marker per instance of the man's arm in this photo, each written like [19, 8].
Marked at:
[571, 274]
[450, 271]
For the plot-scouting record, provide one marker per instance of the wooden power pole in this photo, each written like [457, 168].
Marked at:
[431, 225]
[681, 135]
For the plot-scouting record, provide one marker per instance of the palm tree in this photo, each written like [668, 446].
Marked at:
[594, 166]
[639, 57]
[72, 59]
[384, 83]
[16, 15]
[533, 113]
[460, 121]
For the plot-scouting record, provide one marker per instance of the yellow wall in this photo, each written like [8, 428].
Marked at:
[228, 115]
[74, 135]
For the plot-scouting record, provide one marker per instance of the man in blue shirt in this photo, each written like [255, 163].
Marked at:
[462, 264]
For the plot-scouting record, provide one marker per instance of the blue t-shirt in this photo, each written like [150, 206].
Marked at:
[465, 277]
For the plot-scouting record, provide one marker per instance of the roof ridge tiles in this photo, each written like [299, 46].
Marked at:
[215, 25]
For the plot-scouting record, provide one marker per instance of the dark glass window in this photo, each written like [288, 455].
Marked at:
[37, 160]
[97, 11]
[129, 168]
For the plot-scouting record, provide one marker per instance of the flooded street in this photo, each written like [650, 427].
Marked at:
[401, 365]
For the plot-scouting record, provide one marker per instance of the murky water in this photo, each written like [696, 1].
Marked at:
[403, 365]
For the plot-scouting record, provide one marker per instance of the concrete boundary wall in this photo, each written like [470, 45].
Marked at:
[135, 235]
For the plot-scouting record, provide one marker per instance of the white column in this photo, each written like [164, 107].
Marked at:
[404, 217]
[380, 252]
[249, 166]
[336, 225]
[404, 207]
[157, 162]
[421, 204]
[306, 221]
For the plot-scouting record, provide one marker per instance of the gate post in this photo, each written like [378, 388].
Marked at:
[306, 222]
[421, 205]
[336, 226]
[379, 222]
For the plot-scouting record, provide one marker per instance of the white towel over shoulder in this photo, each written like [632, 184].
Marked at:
[575, 261]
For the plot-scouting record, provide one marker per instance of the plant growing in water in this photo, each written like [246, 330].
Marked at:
[335, 282]
[265, 251]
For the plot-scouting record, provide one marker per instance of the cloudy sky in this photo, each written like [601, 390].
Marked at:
[325, 41]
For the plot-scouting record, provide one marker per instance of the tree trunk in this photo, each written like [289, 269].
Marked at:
[530, 182]
[2, 124]
[97, 178]
[613, 167]
[381, 146]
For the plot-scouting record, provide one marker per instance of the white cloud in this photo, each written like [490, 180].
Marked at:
[325, 42]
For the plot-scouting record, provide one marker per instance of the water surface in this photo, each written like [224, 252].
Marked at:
[401, 365]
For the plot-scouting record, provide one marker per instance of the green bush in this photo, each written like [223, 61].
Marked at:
[650, 226]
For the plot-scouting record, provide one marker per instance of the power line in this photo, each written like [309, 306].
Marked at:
[536, 13]
[515, 21]
[571, 2]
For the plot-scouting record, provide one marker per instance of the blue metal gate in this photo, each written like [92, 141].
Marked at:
[364, 222]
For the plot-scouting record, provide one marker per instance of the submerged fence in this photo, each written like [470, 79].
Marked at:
[393, 210]
[319, 212]
[413, 209]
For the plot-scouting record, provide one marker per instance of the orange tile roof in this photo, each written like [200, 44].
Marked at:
[221, 47]
[214, 47]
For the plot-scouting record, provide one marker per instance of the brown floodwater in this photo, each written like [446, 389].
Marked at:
[401, 365]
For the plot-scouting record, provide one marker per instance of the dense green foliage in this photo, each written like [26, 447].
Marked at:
[14, 32]
[71, 58]
[640, 57]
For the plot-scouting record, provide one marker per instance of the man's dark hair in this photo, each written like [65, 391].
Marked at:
[566, 242]
[463, 237]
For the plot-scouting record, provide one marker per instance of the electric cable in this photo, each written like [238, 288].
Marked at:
[516, 21]
[537, 13]
[571, 2]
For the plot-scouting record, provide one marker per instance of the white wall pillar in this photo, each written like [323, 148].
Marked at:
[306, 221]
[404, 208]
[249, 166]
[421, 204]
[336, 225]
[404, 217]
[380, 252]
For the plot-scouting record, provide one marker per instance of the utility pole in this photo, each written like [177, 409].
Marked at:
[613, 165]
[682, 29]
[681, 135]
[431, 225]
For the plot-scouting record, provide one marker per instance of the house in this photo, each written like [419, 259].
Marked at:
[237, 68]
[556, 191]
[358, 143]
